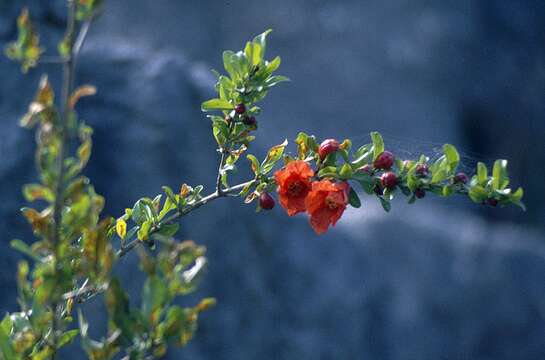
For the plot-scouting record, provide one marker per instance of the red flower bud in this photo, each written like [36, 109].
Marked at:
[266, 201]
[366, 169]
[493, 202]
[240, 109]
[422, 170]
[419, 193]
[388, 180]
[384, 161]
[461, 178]
[327, 147]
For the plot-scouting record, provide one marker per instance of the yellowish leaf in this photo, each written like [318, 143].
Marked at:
[121, 228]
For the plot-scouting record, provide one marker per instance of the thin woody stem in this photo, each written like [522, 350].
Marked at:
[219, 190]
[88, 291]
[68, 79]
[224, 153]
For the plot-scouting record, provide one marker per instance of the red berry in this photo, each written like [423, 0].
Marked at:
[366, 169]
[422, 170]
[266, 201]
[240, 108]
[327, 147]
[419, 193]
[461, 178]
[384, 161]
[250, 121]
[388, 180]
[493, 202]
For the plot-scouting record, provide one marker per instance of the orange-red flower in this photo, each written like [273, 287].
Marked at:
[293, 185]
[326, 203]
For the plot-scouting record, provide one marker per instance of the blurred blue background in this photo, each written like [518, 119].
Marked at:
[441, 279]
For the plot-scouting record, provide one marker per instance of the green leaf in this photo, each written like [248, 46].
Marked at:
[500, 178]
[328, 171]
[388, 194]
[240, 64]
[117, 303]
[174, 320]
[229, 65]
[254, 53]
[154, 295]
[273, 66]
[168, 206]
[7, 351]
[482, 173]
[302, 145]
[225, 87]
[216, 104]
[274, 80]
[362, 176]
[254, 163]
[261, 40]
[27, 48]
[274, 154]
[220, 131]
[22, 247]
[517, 195]
[168, 230]
[452, 156]
[412, 181]
[478, 194]
[67, 337]
[385, 204]
[85, 10]
[439, 175]
[170, 194]
[447, 190]
[143, 233]
[405, 190]
[346, 171]
[141, 211]
[378, 144]
[33, 192]
[354, 199]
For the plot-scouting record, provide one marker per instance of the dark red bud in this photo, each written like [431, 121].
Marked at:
[249, 120]
[379, 190]
[493, 202]
[461, 178]
[327, 147]
[388, 180]
[266, 201]
[384, 161]
[419, 193]
[240, 109]
[422, 170]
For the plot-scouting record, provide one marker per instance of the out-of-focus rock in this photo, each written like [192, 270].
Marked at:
[424, 282]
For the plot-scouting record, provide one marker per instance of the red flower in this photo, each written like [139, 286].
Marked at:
[326, 203]
[293, 185]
